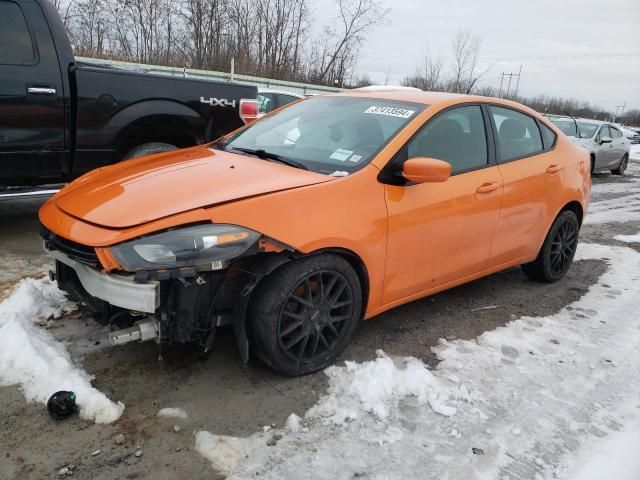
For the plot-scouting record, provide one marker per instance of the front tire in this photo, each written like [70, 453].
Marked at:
[622, 166]
[304, 314]
[149, 149]
[558, 250]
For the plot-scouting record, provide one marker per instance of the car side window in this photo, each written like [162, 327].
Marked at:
[615, 133]
[604, 132]
[456, 136]
[548, 136]
[284, 99]
[517, 134]
[16, 47]
[265, 102]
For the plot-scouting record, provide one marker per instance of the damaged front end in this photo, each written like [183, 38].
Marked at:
[176, 286]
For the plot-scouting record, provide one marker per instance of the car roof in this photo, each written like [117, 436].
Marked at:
[404, 94]
[581, 120]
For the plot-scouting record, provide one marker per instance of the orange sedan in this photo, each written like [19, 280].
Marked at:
[331, 210]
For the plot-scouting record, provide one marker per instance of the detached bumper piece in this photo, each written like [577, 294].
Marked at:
[117, 290]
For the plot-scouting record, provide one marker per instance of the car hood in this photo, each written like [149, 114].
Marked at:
[142, 190]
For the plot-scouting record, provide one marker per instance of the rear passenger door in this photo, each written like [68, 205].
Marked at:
[605, 153]
[532, 177]
[442, 232]
[619, 148]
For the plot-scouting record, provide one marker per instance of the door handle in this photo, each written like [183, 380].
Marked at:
[42, 90]
[554, 168]
[488, 187]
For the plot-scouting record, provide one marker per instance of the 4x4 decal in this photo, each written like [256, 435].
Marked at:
[218, 102]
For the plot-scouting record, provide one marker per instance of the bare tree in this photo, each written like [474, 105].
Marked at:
[428, 73]
[466, 47]
[340, 45]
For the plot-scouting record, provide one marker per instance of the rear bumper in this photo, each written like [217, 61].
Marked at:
[117, 290]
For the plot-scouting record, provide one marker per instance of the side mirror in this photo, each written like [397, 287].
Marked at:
[606, 140]
[426, 170]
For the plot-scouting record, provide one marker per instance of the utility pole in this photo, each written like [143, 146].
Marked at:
[518, 82]
[620, 108]
[511, 75]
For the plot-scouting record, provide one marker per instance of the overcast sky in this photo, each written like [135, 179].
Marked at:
[525, 32]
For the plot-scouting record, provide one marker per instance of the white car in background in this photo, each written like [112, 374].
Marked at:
[608, 147]
[269, 100]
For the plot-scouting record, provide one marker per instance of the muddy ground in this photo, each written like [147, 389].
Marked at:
[219, 394]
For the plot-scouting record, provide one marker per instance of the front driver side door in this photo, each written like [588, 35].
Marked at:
[442, 232]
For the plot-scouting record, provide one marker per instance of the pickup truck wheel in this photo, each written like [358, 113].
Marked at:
[622, 166]
[149, 149]
[303, 314]
[558, 250]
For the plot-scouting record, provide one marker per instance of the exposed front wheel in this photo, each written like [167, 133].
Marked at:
[622, 166]
[303, 315]
[558, 250]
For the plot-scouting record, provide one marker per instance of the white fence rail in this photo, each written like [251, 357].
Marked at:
[294, 87]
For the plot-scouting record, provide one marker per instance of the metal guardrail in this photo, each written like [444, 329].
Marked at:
[294, 87]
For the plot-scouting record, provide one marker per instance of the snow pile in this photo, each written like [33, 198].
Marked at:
[541, 389]
[628, 238]
[635, 152]
[172, 413]
[377, 387]
[32, 359]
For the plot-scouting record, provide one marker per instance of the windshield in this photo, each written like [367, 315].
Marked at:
[330, 135]
[568, 127]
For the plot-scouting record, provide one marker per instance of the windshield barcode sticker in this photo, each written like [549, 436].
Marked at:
[390, 111]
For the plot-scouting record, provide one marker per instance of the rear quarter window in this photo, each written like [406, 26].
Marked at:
[548, 136]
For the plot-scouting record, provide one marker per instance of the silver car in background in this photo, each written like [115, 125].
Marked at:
[607, 145]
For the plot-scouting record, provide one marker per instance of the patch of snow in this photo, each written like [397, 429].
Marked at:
[619, 210]
[628, 238]
[634, 152]
[376, 387]
[526, 395]
[293, 423]
[172, 412]
[616, 457]
[33, 360]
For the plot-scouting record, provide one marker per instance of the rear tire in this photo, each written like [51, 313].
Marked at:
[622, 166]
[149, 149]
[558, 250]
[304, 314]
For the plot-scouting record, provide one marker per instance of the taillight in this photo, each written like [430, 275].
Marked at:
[248, 110]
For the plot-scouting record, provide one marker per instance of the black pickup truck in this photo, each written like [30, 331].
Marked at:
[60, 118]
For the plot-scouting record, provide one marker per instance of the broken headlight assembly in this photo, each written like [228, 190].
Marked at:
[202, 246]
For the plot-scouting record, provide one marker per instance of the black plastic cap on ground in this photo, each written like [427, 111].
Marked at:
[61, 405]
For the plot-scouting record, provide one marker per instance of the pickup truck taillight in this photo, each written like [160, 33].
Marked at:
[248, 110]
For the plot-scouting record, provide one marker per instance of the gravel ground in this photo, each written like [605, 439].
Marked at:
[218, 393]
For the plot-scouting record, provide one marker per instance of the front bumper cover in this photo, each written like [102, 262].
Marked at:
[117, 290]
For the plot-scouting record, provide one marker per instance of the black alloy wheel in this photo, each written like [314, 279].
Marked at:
[557, 252]
[302, 316]
[622, 167]
[563, 247]
[315, 316]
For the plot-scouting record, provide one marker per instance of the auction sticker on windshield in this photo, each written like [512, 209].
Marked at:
[390, 111]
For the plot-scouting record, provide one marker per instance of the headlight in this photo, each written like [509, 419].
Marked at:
[197, 246]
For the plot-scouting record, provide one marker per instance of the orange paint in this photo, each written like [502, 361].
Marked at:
[413, 240]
